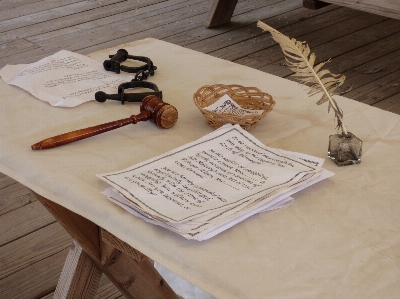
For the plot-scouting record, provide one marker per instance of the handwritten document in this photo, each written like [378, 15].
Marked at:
[64, 79]
[206, 186]
[226, 105]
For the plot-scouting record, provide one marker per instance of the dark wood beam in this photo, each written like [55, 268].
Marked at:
[314, 4]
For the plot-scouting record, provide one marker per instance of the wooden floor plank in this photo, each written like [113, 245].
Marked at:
[260, 41]
[106, 22]
[28, 9]
[219, 38]
[370, 73]
[360, 38]
[341, 47]
[180, 39]
[376, 50]
[5, 182]
[7, 4]
[175, 22]
[391, 104]
[72, 16]
[169, 30]
[241, 18]
[362, 56]
[311, 33]
[36, 281]
[16, 46]
[381, 89]
[120, 28]
[13, 195]
[32, 248]
[109, 30]
[23, 221]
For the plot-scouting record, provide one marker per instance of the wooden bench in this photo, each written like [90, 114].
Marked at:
[221, 11]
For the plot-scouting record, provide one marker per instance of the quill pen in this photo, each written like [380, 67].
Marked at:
[301, 61]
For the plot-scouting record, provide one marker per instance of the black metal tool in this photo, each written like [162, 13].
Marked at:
[123, 96]
[114, 63]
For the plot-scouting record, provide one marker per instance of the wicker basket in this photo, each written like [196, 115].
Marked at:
[246, 97]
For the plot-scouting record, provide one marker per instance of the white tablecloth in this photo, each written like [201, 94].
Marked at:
[340, 239]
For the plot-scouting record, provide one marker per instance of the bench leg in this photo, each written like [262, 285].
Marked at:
[220, 13]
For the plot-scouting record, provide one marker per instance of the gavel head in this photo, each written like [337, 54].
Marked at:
[164, 115]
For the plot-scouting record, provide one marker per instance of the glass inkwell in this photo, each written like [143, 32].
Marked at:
[345, 149]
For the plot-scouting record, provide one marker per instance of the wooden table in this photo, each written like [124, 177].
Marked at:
[340, 238]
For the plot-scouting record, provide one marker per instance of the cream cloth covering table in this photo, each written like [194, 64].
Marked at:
[340, 238]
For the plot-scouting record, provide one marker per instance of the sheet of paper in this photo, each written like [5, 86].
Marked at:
[207, 185]
[64, 79]
[226, 168]
[226, 105]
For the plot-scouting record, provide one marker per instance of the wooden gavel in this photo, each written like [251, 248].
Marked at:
[152, 108]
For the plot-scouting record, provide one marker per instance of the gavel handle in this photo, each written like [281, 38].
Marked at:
[89, 132]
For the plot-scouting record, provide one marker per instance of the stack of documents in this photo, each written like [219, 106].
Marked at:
[202, 188]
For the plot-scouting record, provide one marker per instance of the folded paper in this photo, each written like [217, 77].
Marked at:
[64, 79]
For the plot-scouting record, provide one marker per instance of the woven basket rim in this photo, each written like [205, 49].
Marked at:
[271, 102]
[209, 94]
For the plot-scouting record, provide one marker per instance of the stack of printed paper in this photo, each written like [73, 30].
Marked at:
[205, 187]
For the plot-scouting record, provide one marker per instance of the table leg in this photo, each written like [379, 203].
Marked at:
[220, 13]
[97, 251]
